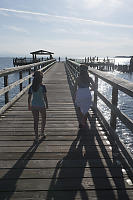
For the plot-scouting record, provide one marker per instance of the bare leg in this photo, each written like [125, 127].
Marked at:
[43, 115]
[80, 115]
[36, 120]
[84, 119]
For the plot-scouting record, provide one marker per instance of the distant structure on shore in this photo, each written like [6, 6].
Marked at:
[107, 63]
[123, 56]
[34, 59]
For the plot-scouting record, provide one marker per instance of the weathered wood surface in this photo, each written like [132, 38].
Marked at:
[11, 70]
[70, 163]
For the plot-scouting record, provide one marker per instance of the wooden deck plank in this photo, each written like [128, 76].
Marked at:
[64, 185]
[59, 155]
[68, 164]
[52, 160]
[13, 143]
[65, 173]
[65, 195]
[82, 147]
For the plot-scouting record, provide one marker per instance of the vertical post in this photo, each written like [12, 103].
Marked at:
[114, 103]
[44, 66]
[35, 68]
[20, 77]
[29, 74]
[95, 92]
[5, 85]
[33, 58]
[85, 59]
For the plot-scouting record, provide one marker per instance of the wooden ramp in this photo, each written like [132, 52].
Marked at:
[70, 163]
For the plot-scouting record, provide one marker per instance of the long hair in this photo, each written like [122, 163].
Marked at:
[83, 73]
[37, 80]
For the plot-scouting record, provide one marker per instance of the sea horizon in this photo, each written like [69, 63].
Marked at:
[7, 61]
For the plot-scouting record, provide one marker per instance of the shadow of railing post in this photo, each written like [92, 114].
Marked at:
[8, 188]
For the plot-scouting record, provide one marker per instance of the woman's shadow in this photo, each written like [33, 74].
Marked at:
[69, 171]
[9, 180]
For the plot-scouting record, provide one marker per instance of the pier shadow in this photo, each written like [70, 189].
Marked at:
[9, 180]
[110, 169]
[89, 169]
[70, 167]
[86, 171]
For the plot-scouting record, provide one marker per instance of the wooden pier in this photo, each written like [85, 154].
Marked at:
[26, 61]
[70, 163]
[107, 64]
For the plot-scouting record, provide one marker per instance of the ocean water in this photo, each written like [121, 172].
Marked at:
[122, 61]
[7, 62]
[125, 103]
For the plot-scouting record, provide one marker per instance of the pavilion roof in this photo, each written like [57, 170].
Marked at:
[41, 52]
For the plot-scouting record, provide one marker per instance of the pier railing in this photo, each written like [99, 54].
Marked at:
[41, 66]
[117, 84]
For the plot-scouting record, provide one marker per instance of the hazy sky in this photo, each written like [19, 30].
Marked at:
[75, 28]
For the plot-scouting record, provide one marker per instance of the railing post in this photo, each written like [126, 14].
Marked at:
[5, 85]
[114, 103]
[95, 91]
[77, 70]
[85, 59]
[20, 77]
[35, 68]
[43, 65]
[29, 78]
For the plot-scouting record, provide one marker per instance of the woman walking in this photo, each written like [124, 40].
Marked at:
[83, 94]
[39, 103]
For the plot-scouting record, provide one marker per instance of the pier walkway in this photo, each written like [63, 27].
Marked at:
[70, 163]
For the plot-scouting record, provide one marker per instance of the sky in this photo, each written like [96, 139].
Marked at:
[72, 28]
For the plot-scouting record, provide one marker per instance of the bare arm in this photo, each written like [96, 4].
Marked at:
[92, 84]
[46, 100]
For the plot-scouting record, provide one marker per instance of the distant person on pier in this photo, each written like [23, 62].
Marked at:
[51, 57]
[131, 61]
[85, 59]
[39, 103]
[83, 94]
[59, 59]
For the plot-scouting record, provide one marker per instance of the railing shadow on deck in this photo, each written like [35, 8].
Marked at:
[65, 172]
[80, 157]
[8, 188]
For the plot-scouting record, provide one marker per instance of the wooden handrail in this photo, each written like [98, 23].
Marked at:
[8, 71]
[117, 84]
[45, 65]
[121, 84]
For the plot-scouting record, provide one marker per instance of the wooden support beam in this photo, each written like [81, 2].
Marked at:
[20, 77]
[114, 102]
[5, 85]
